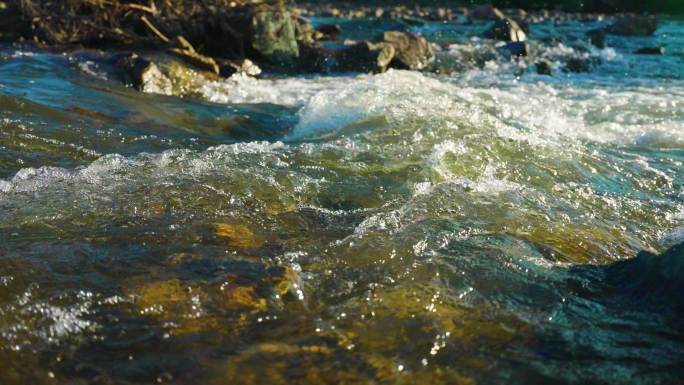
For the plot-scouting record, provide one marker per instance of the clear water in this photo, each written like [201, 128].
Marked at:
[376, 229]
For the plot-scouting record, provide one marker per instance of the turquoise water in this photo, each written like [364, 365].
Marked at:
[395, 228]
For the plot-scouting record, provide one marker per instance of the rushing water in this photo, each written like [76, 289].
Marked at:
[394, 228]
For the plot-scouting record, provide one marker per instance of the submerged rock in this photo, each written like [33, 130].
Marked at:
[506, 30]
[413, 52]
[236, 235]
[651, 51]
[366, 57]
[634, 26]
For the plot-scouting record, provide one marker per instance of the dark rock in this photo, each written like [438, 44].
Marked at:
[506, 30]
[366, 57]
[544, 67]
[651, 51]
[634, 26]
[272, 35]
[314, 58]
[486, 12]
[651, 278]
[413, 52]
[329, 31]
[516, 48]
[597, 37]
[578, 65]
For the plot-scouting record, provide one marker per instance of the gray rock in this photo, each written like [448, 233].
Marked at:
[413, 52]
[634, 26]
[273, 36]
[506, 30]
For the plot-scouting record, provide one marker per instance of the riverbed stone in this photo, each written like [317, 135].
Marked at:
[236, 235]
[506, 30]
[413, 52]
[634, 26]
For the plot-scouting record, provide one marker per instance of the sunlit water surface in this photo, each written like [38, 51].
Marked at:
[376, 229]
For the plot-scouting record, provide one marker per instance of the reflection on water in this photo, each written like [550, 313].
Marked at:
[397, 228]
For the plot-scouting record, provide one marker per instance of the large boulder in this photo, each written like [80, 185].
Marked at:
[634, 26]
[272, 35]
[366, 57]
[506, 30]
[413, 52]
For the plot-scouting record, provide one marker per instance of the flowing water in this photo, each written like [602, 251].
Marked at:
[377, 229]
